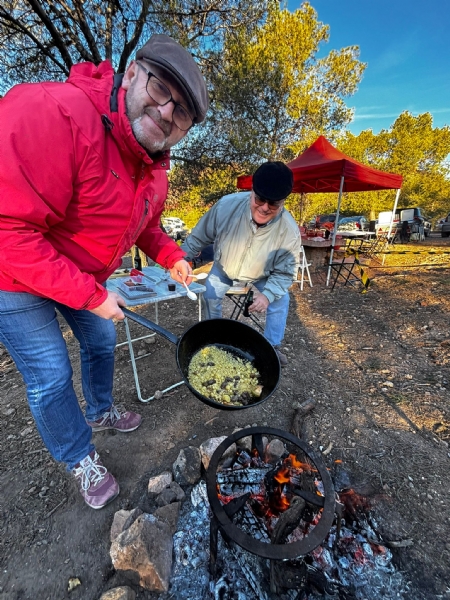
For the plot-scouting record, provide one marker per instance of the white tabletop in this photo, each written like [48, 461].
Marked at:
[161, 288]
[355, 234]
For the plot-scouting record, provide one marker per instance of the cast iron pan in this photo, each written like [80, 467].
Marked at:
[236, 337]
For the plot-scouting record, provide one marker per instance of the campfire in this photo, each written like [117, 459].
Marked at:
[265, 523]
[285, 532]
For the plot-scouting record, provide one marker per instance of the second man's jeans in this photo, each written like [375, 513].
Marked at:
[31, 333]
[217, 285]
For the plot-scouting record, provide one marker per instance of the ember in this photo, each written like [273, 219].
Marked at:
[355, 504]
[278, 508]
[273, 488]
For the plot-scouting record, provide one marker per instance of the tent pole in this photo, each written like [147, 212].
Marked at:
[397, 195]
[333, 240]
[393, 212]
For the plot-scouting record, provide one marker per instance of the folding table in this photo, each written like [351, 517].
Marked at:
[162, 294]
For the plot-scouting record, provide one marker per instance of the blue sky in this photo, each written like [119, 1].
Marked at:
[406, 45]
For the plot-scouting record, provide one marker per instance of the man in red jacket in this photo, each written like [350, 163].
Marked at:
[83, 178]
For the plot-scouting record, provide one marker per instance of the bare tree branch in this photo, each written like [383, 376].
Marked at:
[47, 22]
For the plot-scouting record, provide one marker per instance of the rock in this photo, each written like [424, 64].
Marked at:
[122, 520]
[167, 496]
[158, 483]
[119, 593]
[73, 583]
[179, 492]
[274, 450]
[245, 442]
[8, 412]
[208, 448]
[169, 514]
[187, 467]
[143, 552]
[26, 431]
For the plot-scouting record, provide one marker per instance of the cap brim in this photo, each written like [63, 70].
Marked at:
[186, 91]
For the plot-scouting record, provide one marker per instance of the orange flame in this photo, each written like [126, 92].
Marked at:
[282, 476]
[292, 460]
[284, 503]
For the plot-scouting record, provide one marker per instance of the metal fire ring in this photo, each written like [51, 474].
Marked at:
[272, 551]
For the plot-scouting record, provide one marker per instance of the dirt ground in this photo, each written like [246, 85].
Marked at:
[378, 367]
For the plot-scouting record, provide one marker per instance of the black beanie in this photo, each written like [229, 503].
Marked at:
[273, 181]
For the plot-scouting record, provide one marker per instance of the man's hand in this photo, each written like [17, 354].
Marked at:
[181, 271]
[259, 304]
[110, 308]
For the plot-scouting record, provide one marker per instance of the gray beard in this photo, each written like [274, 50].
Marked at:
[152, 147]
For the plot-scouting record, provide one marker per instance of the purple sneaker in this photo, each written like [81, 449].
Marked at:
[282, 357]
[97, 486]
[116, 418]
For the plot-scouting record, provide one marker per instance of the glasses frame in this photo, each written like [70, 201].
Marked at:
[170, 98]
[273, 206]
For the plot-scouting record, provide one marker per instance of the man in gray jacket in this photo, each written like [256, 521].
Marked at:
[256, 240]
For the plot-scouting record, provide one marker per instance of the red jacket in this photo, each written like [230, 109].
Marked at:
[75, 195]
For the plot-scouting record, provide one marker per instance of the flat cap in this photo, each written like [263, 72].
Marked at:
[170, 56]
[273, 181]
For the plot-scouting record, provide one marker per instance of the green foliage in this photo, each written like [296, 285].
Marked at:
[412, 148]
[271, 97]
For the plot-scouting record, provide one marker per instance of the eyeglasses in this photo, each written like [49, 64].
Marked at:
[160, 93]
[272, 206]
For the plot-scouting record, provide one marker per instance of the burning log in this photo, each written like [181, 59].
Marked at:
[232, 482]
[288, 521]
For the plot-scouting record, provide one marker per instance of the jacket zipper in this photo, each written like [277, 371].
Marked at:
[137, 232]
[249, 245]
[143, 217]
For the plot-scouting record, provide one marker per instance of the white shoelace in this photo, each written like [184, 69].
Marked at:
[114, 413]
[91, 472]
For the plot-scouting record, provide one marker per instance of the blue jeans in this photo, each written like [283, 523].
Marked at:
[218, 283]
[31, 333]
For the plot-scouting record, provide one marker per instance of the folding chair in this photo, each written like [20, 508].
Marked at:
[371, 248]
[343, 268]
[240, 296]
[304, 266]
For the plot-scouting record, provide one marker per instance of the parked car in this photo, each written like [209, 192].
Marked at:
[177, 227]
[438, 224]
[170, 232]
[445, 229]
[357, 223]
[413, 216]
[323, 221]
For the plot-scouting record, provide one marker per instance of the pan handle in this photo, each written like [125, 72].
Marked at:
[150, 325]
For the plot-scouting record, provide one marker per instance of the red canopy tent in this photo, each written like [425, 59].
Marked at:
[322, 168]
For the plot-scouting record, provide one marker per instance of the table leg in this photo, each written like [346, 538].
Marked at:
[199, 307]
[130, 341]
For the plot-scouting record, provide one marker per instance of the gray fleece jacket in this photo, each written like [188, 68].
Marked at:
[247, 253]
